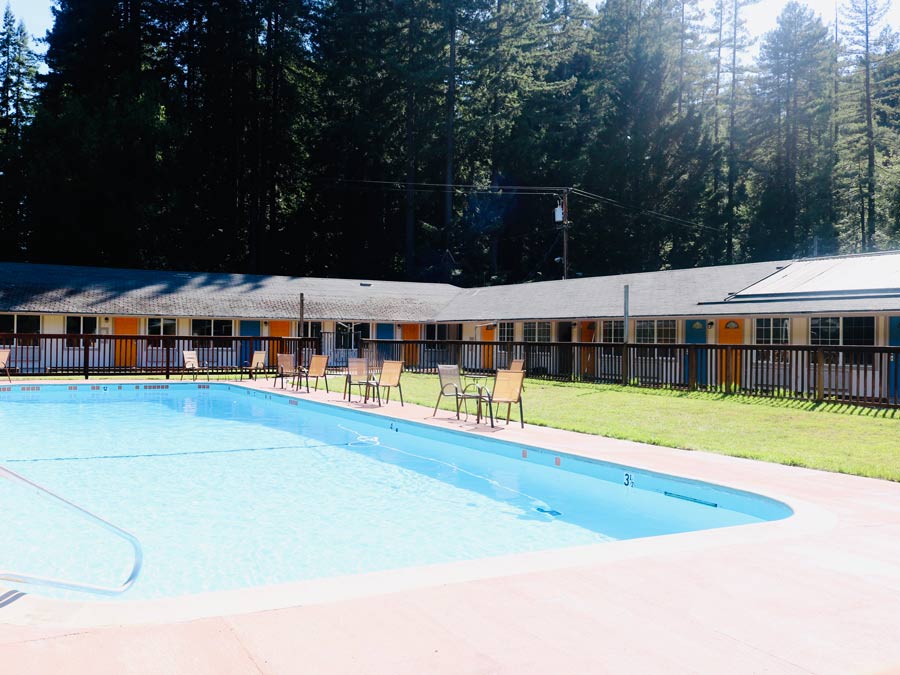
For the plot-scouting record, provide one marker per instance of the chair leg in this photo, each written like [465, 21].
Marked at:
[400, 389]
[508, 408]
[440, 396]
[521, 414]
[324, 377]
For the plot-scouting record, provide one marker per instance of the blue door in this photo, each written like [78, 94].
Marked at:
[894, 363]
[695, 334]
[385, 331]
[249, 329]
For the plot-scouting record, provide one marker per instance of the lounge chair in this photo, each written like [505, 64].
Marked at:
[517, 364]
[287, 368]
[317, 368]
[507, 389]
[192, 365]
[257, 364]
[390, 377]
[451, 385]
[358, 375]
[4, 362]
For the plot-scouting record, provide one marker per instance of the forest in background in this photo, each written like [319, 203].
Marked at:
[432, 139]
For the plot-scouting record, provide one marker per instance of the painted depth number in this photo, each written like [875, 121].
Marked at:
[628, 481]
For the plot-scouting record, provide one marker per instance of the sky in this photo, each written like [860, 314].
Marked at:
[760, 17]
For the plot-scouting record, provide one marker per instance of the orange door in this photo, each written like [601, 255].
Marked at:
[487, 351]
[587, 331]
[126, 350]
[277, 329]
[410, 331]
[730, 332]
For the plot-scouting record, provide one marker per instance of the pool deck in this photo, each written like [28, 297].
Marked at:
[818, 592]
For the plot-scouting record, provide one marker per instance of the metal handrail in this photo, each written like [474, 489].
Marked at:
[71, 585]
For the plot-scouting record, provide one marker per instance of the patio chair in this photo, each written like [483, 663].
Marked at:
[358, 376]
[317, 368]
[390, 377]
[287, 368]
[517, 364]
[193, 366]
[451, 385]
[507, 389]
[4, 361]
[257, 364]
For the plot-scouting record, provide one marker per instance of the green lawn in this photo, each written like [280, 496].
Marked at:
[847, 439]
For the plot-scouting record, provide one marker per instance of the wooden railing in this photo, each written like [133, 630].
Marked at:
[135, 355]
[858, 375]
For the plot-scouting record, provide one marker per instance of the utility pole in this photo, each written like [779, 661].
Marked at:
[562, 217]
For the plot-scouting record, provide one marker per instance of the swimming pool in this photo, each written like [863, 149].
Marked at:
[230, 488]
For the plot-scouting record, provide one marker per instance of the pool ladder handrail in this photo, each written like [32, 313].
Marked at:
[71, 585]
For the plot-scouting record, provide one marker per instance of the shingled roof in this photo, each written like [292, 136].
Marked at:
[665, 293]
[59, 289]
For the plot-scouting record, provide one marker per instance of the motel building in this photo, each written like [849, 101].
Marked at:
[835, 302]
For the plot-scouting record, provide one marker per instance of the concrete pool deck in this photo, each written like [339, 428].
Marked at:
[818, 592]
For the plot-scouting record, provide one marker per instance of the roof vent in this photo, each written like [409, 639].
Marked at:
[364, 283]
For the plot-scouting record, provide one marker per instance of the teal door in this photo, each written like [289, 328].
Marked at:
[695, 334]
[385, 331]
[249, 329]
[894, 363]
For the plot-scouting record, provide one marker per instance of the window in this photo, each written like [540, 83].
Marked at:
[80, 325]
[858, 330]
[825, 330]
[613, 331]
[773, 331]
[27, 323]
[506, 331]
[312, 329]
[665, 330]
[645, 332]
[348, 335]
[159, 326]
[443, 331]
[537, 331]
[211, 327]
[7, 325]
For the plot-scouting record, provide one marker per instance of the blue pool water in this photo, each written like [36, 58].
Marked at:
[228, 488]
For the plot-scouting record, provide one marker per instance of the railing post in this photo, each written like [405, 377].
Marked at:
[86, 356]
[820, 375]
[168, 350]
[692, 367]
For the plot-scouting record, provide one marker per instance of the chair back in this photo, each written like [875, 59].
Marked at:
[258, 362]
[285, 363]
[508, 386]
[390, 373]
[317, 365]
[358, 369]
[451, 382]
[517, 364]
[190, 359]
[4, 357]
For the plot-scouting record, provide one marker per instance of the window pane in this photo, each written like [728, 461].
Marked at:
[614, 331]
[430, 332]
[859, 330]
[313, 329]
[222, 327]
[530, 331]
[89, 325]
[665, 330]
[201, 327]
[73, 324]
[644, 331]
[28, 324]
[764, 331]
[507, 331]
[7, 323]
[154, 326]
[781, 331]
[824, 330]
[362, 329]
[169, 326]
[543, 331]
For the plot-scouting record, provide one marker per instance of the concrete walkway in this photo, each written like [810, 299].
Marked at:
[816, 593]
